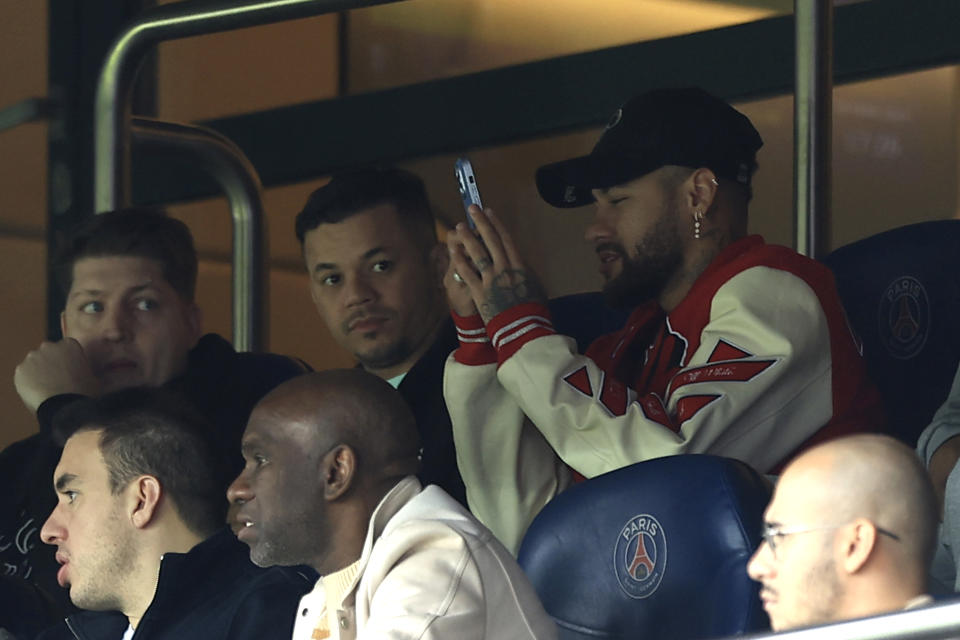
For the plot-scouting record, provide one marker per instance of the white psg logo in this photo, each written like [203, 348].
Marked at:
[640, 556]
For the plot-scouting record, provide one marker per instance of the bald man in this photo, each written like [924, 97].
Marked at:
[849, 533]
[330, 482]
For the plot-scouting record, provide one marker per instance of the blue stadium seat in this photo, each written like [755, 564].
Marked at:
[901, 291]
[657, 550]
[584, 317]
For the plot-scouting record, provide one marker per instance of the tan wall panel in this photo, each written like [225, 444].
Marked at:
[212, 228]
[210, 224]
[23, 50]
[894, 153]
[894, 156]
[282, 205]
[213, 296]
[23, 180]
[295, 329]
[248, 70]
[771, 210]
[409, 42]
[23, 150]
[22, 265]
[23, 158]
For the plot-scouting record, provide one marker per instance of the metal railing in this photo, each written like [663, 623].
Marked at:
[113, 130]
[112, 113]
[936, 622]
[171, 22]
[225, 162]
[812, 129]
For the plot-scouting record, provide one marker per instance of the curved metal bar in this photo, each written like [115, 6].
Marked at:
[227, 164]
[937, 622]
[812, 103]
[170, 22]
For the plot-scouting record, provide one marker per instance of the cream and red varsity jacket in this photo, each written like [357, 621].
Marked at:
[756, 362]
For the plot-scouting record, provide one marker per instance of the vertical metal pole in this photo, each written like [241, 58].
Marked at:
[112, 108]
[225, 162]
[812, 106]
[170, 22]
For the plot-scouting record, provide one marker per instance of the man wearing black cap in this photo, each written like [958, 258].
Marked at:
[733, 347]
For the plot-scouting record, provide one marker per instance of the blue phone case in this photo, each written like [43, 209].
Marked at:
[467, 181]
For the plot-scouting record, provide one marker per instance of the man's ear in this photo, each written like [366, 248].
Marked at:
[143, 500]
[857, 541]
[703, 185]
[338, 469]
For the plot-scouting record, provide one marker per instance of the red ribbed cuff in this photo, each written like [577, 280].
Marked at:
[475, 347]
[515, 327]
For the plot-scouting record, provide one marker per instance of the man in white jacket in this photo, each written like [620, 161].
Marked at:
[733, 347]
[330, 482]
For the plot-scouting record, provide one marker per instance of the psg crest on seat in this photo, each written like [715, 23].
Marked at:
[904, 317]
[640, 556]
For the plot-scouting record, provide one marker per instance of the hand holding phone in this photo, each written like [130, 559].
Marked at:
[467, 181]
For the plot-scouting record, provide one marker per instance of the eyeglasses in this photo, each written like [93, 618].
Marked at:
[771, 533]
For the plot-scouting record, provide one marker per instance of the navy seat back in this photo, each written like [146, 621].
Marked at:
[656, 550]
[901, 292]
[584, 317]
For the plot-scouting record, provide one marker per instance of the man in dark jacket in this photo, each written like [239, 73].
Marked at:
[376, 270]
[139, 530]
[130, 319]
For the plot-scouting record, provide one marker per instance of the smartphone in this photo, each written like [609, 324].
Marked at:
[467, 182]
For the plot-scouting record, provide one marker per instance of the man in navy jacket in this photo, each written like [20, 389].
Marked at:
[139, 531]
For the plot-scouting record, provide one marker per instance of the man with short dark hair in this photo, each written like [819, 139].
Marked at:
[129, 319]
[329, 482]
[370, 245]
[139, 530]
[733, 347]
[850, 533]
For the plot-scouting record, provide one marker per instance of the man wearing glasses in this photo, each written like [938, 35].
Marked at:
[849, 533]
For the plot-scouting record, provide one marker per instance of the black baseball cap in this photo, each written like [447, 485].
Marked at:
[684, 127]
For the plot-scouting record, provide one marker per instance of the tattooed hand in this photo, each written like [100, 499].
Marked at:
[492, 270]
[459, 298]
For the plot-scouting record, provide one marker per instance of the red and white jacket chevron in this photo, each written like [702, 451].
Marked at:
[757, 362]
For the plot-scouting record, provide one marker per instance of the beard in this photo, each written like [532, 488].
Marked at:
[289, 544]
[297, 531]
[100, 585]
[394, 345]
[374, 349]
[817, 598]
[659, 257]
[387, 355]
